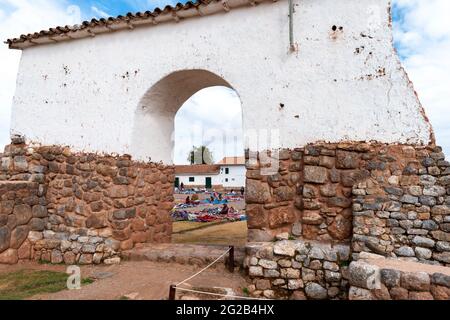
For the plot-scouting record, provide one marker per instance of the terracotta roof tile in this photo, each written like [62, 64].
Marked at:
[26, 40]
[197, 169]
[232, 161]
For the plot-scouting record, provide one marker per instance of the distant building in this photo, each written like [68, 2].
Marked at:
[229, 173]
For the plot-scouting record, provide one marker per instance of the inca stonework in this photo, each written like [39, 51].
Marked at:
[58, 206]
[348, 198]
[359, 172]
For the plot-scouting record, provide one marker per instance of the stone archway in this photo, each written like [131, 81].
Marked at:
[156, 111]
[154, 119]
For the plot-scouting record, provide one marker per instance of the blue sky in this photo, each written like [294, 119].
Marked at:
[421, 34]
[117, 7]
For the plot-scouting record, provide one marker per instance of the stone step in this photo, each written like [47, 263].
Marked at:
[191, 254]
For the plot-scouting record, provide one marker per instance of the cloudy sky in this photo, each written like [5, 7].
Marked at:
[422, 38]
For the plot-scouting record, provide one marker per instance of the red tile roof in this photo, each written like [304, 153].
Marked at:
[130, 20]
[197, 169]
[232, 161]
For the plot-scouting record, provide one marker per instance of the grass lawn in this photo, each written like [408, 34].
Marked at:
[24, 284]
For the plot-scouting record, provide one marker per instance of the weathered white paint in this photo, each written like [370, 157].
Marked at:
[109, 93]
[235, 178]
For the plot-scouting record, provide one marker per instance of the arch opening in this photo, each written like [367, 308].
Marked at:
[153, 130]
[192, 109]
[210, 172]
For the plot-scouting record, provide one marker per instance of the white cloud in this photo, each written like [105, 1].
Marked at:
[423, 40]
[99, 13]
[18, 17]
[213, 117]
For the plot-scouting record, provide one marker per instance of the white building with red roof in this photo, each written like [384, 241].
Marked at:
[229, 173]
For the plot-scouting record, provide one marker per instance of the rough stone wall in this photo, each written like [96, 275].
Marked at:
[400, 196]
[93, 206]
[370, 281]
[311, 194]
[298, 270]
[22, 207]
[392, 200]
[403, 209]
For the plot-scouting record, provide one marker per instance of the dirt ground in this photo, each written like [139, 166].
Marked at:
[138, 280]
[148, 280]
[232, 233]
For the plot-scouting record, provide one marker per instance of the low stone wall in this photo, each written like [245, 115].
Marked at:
[298, 270]
[383, 279]
[93, 206]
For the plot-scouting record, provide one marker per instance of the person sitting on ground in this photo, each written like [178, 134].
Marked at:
[224, 210]
[182, 186]
[211, 199]
[194, 197]
[188, 200]
[220, 197]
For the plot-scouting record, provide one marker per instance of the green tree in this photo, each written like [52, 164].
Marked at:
[200, 155]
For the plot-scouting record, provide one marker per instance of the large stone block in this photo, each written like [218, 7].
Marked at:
[441, 235]
[9, 256]
[315, 174]
[285, 248]
[118, 191]
[350, 177]
[96, 221]
[315, 291]
[257, 192]
[281, 216]
[257, 216]
[442, 257]
[418, 281]
[284, 193]
[347, 160]
[312, 217]
[124, 214]
[356, 293]
[39, 211]
[364, 275]
[37, 224]
[340, 202]
[18, 236]
[340, 228]
[23, 214]
[5, 238]
[423, 242]
[390, 277]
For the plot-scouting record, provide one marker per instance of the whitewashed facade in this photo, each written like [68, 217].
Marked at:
[225, 174]
[118, 92]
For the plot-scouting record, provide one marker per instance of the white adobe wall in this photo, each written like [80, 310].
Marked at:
[236, 176]
[344, 85]
[200, 180]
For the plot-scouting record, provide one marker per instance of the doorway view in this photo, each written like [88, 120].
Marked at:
[210, 170]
